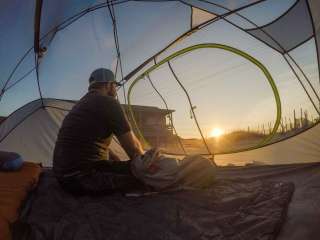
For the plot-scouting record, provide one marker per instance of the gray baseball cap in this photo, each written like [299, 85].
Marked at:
[102, 75]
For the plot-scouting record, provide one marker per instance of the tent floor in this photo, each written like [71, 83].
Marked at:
[303, 217]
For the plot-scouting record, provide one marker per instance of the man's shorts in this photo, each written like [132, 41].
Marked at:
[102, 177]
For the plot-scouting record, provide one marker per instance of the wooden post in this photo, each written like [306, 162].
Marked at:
[282, 126]
[301, 118]
[306, 120]
[269, 127]
[294, 119]
[291, 126]
[286, 124]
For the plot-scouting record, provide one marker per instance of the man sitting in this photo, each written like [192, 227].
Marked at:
[82, 161]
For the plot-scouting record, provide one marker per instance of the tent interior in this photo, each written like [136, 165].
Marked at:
[234, 81]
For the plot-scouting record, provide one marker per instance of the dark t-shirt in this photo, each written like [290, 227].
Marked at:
[87, 131]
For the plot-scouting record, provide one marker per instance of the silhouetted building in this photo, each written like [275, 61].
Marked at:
[154, 123]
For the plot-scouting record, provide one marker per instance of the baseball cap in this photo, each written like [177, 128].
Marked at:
[102, 75]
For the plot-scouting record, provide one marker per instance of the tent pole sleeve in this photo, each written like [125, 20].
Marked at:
[37, 20]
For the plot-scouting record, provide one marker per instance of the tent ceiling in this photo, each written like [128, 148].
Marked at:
[280, 35]
[199, 17]
[83, 33]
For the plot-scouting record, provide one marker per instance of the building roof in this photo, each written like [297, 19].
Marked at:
[148, 109]
[141, 108]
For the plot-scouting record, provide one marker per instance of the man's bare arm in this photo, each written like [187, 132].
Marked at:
[131, 144]
[113, 156]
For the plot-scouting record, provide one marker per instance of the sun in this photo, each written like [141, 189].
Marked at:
[216, 132]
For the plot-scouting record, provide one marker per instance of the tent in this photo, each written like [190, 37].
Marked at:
[248, 69]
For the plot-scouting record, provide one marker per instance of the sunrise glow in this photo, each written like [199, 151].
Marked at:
[216, 132]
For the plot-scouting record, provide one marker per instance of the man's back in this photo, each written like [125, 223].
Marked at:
[86, 132]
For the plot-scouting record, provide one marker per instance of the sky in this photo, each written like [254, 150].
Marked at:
[228, 91]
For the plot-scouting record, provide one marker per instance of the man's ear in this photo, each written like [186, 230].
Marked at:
[106, 87]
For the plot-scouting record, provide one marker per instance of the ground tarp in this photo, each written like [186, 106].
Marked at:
[230, 209]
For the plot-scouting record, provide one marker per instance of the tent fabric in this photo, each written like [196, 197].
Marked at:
[42, 148]
[44, 124]
[220, 7]
[314, 8]
[89, 41]
[303, 216]
[53, 13]
[227, 210]
[14, 188]
[199, 16]
[304, 147]
[22, 26]
[230, 4]
[253, 13]
[298, 17]
[18, 116]
[129, 37]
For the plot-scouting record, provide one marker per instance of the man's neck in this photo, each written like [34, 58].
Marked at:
[97, 91]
